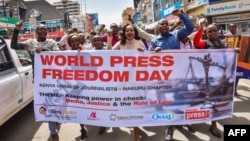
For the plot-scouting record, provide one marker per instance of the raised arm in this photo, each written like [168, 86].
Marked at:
[143, 34]
[14, 40]
[188, 24]
[116, 46]
[198, 42]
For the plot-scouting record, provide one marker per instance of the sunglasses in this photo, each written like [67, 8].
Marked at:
[210, 31]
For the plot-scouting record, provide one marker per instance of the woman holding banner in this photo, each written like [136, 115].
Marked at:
[212, 42]
[130, 41]
[74, 42]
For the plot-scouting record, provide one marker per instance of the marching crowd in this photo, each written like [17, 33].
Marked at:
[131, 37]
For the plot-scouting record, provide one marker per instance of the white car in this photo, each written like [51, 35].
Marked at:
[16, 76]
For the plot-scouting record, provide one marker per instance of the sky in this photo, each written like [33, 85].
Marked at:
[109, 11]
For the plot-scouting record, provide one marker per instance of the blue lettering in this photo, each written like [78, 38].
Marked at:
[163, 116]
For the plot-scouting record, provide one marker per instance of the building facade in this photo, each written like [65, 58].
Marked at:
[72, 7]
[226, 12]
[34, 13]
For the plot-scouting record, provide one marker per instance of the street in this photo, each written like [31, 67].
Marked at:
[23, 127]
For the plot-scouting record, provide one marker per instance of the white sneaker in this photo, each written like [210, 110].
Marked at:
[168, 138]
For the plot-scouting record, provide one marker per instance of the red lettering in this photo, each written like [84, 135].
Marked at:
[68, 74]
[198, 114]
[121, 76]
[88, 75]
[79, 75]
[115, 60]
[142, 75]
[60, 60]
[105, 76]
[73, 61]
[56, 73]
[46, 60]
[168, 61]
[91, 75]
[96, 61]
[154, 75]
[155, 61]
[130, 60]
[46, 72]
[142, 61]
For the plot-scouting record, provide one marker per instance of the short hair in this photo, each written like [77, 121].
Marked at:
[113, 24]
[40, 25]
[201, 20]
[93, 33]
[70, 37]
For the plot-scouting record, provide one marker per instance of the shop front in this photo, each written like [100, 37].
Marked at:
[242, 21]
[51, 35]
[195, 10]
[223, 14]
[166, 13]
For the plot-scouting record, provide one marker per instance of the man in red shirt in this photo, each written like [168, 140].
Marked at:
[115, 29]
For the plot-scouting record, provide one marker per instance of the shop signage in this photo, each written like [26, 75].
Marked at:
[227, 7]
[168, 11]
[234, 17]
[210, 1]
[34, 14]
[8, 20]
[195, 4]
[51, 35]
[171, 18]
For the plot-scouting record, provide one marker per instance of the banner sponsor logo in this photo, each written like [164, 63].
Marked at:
[197, 114]
[166, 116]
[115, 117]
[93, 116]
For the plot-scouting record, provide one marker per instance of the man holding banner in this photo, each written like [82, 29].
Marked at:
[171, 40]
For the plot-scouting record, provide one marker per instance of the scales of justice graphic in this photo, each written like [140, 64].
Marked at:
[211, 97]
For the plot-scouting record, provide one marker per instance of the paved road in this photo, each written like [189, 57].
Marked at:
[23, 128]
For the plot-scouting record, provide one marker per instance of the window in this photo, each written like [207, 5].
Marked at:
[5, 59]
[24, 57]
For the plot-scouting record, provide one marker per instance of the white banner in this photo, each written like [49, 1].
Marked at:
[132, 88]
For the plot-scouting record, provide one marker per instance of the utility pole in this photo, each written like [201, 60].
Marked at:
[85, 12]
[4, 13]
[17, 9]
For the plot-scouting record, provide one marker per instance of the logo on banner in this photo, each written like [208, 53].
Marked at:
[197, 114]
[42, 110]
[93, 116]
[165, 116]
[114, 117]
[57, 113]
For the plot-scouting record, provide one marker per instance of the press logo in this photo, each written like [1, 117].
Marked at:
[232, 132]
[92, 116]
[197, 114]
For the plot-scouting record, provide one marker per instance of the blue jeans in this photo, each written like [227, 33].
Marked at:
[53, 128]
